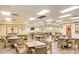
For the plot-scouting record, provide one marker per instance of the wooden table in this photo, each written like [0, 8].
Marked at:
[74, 41]
[33, 44]
[13, 40]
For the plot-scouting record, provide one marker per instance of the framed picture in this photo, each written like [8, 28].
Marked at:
[16, 29]
[68, 31]
[77, 28]
[9, 29]
[12, 29]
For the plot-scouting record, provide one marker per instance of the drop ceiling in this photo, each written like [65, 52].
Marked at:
[21, 13]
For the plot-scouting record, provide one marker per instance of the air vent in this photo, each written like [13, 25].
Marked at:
[15, 14]
[14, 19]
[76, 16]
[41, 17]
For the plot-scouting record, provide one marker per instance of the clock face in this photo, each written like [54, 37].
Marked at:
[22, 28]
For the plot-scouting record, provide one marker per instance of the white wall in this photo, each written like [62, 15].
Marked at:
[74, 34]
[63, 30]
[2, 30]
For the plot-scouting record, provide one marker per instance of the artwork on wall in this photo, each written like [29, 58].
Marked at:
[16, 29]
[9, 29]
[77, 28]
[68, 31]
[12, 29]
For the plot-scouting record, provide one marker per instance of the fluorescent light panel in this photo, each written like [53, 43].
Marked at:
[59, 21]
[69, 9]
[41, 22]
[5, 13]
[67, 15]
[49, 20]
[43, 12]
[32, 18]
[75, 18]
[8, 19]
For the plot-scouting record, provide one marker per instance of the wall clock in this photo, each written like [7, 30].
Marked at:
[22, 28]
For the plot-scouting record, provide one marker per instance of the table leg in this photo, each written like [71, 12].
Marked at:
[17, 51]
[4, 45]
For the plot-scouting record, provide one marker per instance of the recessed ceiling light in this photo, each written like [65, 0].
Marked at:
[75, 18]
[75, 21]
[67, 15]
[8, 19]
[69, 9]
[49, 20]
[43, 12]
[32, 18]
[59, 21]
[6, 13]
[41, 22]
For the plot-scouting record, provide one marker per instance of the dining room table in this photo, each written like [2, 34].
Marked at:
[34, 44]
[14, 37]
[13, 40]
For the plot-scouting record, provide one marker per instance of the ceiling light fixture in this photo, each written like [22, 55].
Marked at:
[67, 15]
[8, 19]
[49, 23]
[75, 18]
[41, 22]
[32, 18]
[59, 21]
[69, 9]
[49, 20]
[43, 12]
[6, 13]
